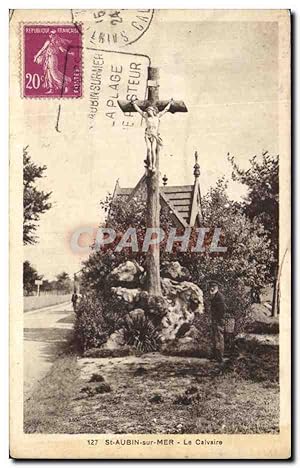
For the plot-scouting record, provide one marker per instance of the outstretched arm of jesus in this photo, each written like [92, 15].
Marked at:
[166, 109]
[138, 109]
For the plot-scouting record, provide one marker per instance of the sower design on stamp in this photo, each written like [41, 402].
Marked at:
[52, 61]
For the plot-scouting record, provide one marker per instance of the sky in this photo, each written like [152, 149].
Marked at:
[226, 72]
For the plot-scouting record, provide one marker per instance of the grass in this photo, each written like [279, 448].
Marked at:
[46, 411]
[38, 302]
[171, 395]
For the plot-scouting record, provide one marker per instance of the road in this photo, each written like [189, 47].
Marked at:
[46, 332]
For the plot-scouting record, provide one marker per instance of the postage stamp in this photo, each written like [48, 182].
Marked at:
[52, 61]
[113, 28]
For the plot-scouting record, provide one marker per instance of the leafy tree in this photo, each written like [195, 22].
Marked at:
[35, 202]
[62, 277]
[47, 285]
[63, 283]
[248, 255]
[120, 215]
[30, 274]
[262, 204]
[262, 199]
[245, 265]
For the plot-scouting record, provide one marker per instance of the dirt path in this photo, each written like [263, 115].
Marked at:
[46, 332]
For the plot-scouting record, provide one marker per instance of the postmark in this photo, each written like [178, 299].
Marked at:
[52, 63]
[109, 76]
[113, 28]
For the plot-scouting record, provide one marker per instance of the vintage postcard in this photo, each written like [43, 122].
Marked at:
[150, 239]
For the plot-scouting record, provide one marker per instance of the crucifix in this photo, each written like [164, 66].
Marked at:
[152, 109]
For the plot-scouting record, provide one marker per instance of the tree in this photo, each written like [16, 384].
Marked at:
[262, 199]
[120, 215]
[63, 283]
[47, 286]
[30, 274]
[262, 204]
[247, 254]
[35, 202]
[244, 266]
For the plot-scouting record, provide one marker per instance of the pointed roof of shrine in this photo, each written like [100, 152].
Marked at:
[183, 201]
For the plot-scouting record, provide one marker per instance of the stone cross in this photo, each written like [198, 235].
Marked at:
[153, 204]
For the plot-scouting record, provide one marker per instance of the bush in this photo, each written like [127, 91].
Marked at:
[97, 316]
[140, 333]
[90, 328]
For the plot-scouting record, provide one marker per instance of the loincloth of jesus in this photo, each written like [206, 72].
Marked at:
[151, 136]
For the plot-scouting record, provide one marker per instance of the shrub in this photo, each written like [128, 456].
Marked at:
[140, 333]
[90, 328]
[97, 378]
[97, 316]
[113, 310]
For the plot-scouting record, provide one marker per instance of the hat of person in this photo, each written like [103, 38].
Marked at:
[213, 282]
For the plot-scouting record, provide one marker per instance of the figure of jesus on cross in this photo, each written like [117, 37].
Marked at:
[152, 118]
[152, 109]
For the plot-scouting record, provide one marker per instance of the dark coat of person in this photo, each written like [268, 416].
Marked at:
[74, 300]
[218, 307]
[217, 320]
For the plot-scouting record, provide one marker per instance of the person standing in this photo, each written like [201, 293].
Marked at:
[74, 300]
[217, 320]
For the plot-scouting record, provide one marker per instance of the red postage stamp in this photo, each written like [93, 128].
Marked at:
[52, 61]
